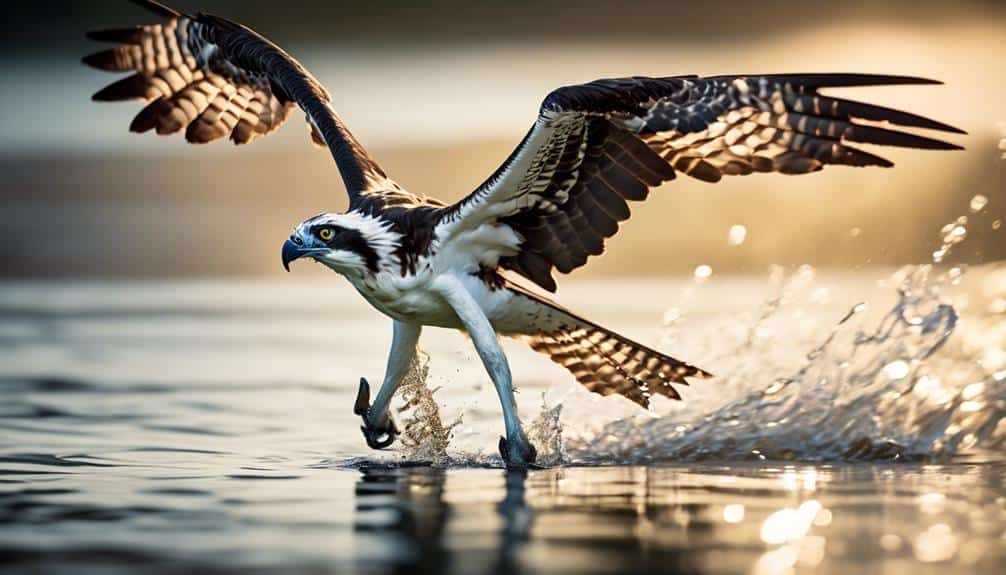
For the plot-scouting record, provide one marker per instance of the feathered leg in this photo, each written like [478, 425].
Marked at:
[516, 450]
[379, 426]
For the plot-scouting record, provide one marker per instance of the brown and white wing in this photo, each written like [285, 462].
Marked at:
[214, 78]
[595, 147]
[602, 360]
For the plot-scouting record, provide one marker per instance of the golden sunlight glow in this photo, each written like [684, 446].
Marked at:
[733, 513]
[938, 543]
[789, 524]
[932, 502]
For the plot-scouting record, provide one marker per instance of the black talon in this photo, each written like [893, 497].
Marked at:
[362, 398]
[376, 437]
[379, 438]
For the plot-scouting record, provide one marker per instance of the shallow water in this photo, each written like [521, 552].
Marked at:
[207, 427]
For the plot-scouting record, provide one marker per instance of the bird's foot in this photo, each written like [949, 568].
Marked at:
[379, 430]
[517, 452]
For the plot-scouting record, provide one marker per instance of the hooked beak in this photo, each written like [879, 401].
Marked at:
[292, 251]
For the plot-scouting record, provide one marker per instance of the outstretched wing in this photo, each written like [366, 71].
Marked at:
[596, 146]
[214, 78]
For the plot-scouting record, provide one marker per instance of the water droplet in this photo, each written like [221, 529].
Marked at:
[956, 234]
[854, 232]
[737, 235]
[777, 386]
[897, 369]
[972, 406]
[974, 390]
[954, 275]
[997, 224]
[733, 513]
[978, 202]
[703, 272]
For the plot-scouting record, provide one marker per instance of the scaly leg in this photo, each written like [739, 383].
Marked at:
[516, 450]
[379, 427]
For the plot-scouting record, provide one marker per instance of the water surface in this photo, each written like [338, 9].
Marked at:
[206, 427]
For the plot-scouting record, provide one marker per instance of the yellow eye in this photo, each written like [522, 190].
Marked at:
[326, 234]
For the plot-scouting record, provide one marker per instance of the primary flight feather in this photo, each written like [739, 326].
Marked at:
[550, 206]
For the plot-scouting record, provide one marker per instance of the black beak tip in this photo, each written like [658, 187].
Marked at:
[291, 251]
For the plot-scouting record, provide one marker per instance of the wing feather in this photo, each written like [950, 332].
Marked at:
[213, 78]
[597, 146]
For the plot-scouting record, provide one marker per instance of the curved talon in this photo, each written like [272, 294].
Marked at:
[379, 437]
[362, 398]
[376, 437]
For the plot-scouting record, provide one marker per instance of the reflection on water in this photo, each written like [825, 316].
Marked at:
[739, 519]
[208, 428]
[746, 518]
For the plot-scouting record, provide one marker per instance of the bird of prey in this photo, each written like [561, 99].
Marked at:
[564, 190]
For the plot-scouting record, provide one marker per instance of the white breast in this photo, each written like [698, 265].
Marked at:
[411, 299]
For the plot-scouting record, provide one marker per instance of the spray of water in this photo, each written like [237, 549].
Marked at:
[867, 391]
[545, 433]
[424, 436]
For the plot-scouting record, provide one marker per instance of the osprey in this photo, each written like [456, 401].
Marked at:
[593, 149]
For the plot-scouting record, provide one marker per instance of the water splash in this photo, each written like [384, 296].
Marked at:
[545, 433]
[424, 435]
[869, 390]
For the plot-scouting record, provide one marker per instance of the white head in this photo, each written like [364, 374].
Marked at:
[352, 243]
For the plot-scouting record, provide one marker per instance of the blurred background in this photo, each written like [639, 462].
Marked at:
[441, 91]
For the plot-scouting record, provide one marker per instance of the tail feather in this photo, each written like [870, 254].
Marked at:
[602, 360]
